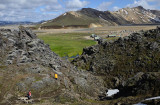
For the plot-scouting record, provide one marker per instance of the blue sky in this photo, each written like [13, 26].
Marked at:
[37, 10]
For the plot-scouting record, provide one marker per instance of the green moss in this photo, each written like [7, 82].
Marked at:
[38, 78]
[3, 67]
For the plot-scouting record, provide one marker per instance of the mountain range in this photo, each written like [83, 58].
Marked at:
[14, 22]
[88, 17]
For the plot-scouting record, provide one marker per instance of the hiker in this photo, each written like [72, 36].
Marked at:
[29, 95]
[56, 76]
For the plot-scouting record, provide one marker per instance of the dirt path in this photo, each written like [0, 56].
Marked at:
[98, 30]
[88, 38]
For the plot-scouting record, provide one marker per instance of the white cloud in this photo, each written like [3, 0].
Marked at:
[26, 16]
[27, 4]
[115, 8]
[151, 0]
[51, 8]
[104, 6]
[146, 4]
[1, 14]
[21, 10]
[2, 6]
[75, 4]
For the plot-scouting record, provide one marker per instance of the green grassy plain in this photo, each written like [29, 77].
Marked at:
[67, 44]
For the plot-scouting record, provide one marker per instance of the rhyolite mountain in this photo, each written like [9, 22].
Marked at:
[88, 17]
[139, 15]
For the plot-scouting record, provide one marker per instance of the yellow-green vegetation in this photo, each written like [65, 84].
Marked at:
[67, 44]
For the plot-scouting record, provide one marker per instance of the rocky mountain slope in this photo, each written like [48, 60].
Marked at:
[26, 63]
[139, 15]
[156, 12]
[130, 64]
[88, 17]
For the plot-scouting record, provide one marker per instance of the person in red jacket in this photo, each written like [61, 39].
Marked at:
[29, 95]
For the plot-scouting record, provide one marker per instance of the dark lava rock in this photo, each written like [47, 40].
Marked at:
[134, 60]
[141, 84]
[122, 55]
[158, 27]
[152, 102]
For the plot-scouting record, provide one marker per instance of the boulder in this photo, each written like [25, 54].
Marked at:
[38, 85]
[21, 86]
[158, 27]
[154, 46]
[141, 84]
[27, 32]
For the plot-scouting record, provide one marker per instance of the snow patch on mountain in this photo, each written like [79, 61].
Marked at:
[126, 12]
[44, 22]
[64, 14]
[157, 19]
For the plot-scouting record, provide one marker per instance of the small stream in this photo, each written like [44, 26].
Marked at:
[72, 57]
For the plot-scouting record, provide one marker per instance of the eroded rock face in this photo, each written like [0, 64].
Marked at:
[25, 48]
[141, 83]
[29, 64]
[130, 64]
[123, 59]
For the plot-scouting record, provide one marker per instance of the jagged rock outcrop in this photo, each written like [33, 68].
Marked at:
[24, 47]
[141, 83]
[130, 64]
[122, 59]
[26, 63]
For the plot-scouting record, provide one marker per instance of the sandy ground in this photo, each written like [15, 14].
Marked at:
[102, 31]
[99, 31]
[88, 38]
[14, 26]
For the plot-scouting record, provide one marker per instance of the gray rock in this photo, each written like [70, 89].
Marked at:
[49, 81]
[81, 81]
[29, 80]
[12, 56]
[158, 27]
[154, 46]
[21, 86]
[32, 44]
[141, 84]
[27, 32]
[24, 59]
[9, 62]
[35, 69]
[118, 103]
[38, 85]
